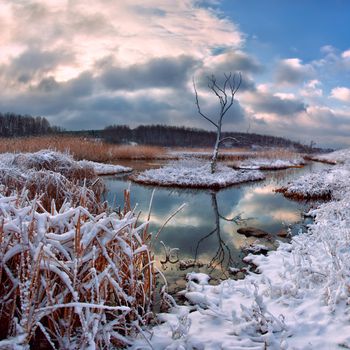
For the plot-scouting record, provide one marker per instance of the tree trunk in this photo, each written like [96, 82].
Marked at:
[214, 158]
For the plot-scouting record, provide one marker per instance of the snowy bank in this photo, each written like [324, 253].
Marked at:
[299, 300]
[195, 174]
[269, 164]
[325, 184]
[58, 162]
[105, 169]
[336, 157]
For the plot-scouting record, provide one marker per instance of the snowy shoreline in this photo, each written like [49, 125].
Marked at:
[299, 299]
[193, 173]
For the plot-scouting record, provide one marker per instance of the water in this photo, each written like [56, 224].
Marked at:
[202, 231]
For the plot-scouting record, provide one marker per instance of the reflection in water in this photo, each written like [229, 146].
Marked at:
[222, 257]
[205, 232]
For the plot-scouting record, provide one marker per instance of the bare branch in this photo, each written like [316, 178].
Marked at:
[225, 92]
[198, 106]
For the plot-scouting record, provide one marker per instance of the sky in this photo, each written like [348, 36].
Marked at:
[87, 64]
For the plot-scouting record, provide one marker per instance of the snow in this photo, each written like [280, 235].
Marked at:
[336, 157]
[56, 161]
[56, 263]
[196, 174]
[300, 299]
[325, 184]
[105, 169]
[201, 154]
[269, 164]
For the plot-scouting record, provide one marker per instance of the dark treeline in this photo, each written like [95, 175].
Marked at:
[172, 136]
[14, 125]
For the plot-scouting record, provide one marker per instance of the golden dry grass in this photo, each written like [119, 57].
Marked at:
[277, 153]
[82, 148]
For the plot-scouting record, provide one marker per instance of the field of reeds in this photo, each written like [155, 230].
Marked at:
[227, 154]
[73, 272]
[82, 148]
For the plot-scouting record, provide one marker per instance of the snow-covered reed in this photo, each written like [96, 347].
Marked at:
[51, 176]
[69, 278]
[74, 274]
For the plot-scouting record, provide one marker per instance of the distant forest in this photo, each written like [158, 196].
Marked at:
[172, 136]
[16, 125]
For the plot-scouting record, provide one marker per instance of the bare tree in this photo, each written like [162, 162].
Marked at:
[225, 93]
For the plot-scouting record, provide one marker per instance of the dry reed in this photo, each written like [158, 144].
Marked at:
[49, 176]
[73, 273]
[71, 279]
[82, 148]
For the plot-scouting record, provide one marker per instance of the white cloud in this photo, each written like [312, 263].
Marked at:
[312, 89]
[126, 31]
[285, 95]
[346, 54]
[292, 71]
[341, 94]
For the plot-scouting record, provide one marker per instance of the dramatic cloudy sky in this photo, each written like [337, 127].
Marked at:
[90, 63]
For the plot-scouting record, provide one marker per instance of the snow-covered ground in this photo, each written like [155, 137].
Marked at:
[299, 300]
[208, 154]
[106, 169]
[335, 157]
[56, 161]
[196, 174]
[268, 164]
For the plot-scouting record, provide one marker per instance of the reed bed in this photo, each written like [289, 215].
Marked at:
[74, 274]
[82, 148]
[71, 279]
[51, 176]
[277, 153]
[236, 154]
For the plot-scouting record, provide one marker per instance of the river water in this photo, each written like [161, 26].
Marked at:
[203, 231]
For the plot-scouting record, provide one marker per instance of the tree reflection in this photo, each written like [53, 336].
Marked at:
[223, 256]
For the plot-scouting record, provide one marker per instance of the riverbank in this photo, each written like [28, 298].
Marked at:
[298, 300]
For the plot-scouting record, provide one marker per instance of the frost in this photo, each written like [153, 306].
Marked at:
[71, 269]
[105, 169]
[196, 173]
[300, 296]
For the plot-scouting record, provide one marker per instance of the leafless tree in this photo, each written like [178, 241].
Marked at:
[225, 92]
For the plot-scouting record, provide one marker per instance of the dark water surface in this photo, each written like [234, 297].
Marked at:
[202, 230]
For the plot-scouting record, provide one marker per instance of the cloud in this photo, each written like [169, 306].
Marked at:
[346, 54]
[292, 71]
[130, 31]
[312, 89]
[341, 94]
[281, 105]
[233, 61]
[167, 72]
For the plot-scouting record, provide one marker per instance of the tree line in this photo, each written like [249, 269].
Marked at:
[16, 125]
[174, 136]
